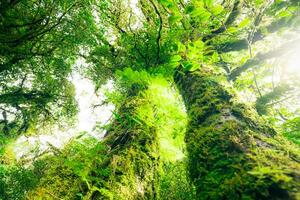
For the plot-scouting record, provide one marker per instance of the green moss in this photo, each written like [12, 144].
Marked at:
[232, 153]
[147, 133]
[151, 117]
[65, 175]
[174, 182]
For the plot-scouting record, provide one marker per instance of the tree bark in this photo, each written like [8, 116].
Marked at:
[232, 153]
[133, 154]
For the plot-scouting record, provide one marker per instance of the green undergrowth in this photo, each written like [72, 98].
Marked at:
[291, 130]
[16, 181]
[142, 156]
[66, 174]
[147, 133]
[170, 117]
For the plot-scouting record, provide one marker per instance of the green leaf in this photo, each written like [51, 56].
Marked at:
[174, 61]
[208, 3]
[190, 66]
[187, 65]
[232, 29]
[244, 23]
[194, 67]
[198, 12]
[189, 9]
[175, 58]
[173, 19]
[181, 47]
[215, 57]
[199, 44]
[284, 13]
[166, 3]
[217, 9]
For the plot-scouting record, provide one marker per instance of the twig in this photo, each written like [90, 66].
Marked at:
[159, 31]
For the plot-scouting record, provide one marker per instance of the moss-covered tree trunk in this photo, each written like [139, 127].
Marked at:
[232, 153]
[133, 154]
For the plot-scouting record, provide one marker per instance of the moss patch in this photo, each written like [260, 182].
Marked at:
[232, 153]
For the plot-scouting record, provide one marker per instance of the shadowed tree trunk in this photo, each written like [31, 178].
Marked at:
[232, 153]
[133, 154]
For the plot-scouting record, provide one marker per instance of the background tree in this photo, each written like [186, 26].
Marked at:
[39, 45]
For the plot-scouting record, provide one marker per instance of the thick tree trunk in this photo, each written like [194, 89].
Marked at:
[133, 155]
[232, 154]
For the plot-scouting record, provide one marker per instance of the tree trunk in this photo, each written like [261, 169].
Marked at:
[232, 153]
[133, 155]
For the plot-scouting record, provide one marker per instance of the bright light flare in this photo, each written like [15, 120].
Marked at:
[292, 65]
[285, 68]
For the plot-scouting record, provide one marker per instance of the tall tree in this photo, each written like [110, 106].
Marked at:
[205, 46]
[39, 44]
[232, 153]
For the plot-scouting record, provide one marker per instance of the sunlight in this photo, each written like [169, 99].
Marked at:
[286, 64]
[291, 67]
[88, 117]
[289, 61]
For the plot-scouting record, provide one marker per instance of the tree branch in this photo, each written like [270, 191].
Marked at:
[159, 31]
[230, 20]
[259, 58]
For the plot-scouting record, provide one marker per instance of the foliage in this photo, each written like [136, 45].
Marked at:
[39, 44]
[174, 182]
[291, 130]
[213, 49]
[81, 169]
[67, 174]
[147, 126]
[16, 181]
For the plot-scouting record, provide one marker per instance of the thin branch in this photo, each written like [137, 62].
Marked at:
[159, 31]
[259, 58]
[230, 20]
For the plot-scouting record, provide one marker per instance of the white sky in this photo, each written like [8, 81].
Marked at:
[26, 147]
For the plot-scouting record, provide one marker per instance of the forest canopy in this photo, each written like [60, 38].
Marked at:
[204, 97]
